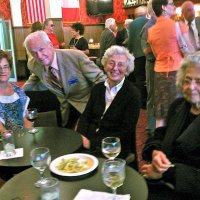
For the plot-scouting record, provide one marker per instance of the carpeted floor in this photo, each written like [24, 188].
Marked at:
[140, 138]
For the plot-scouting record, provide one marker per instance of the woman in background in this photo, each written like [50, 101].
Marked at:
[78, 41]
[13, 101]
[114, 105]
[163, 40]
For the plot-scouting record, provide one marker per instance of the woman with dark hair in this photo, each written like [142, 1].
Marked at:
[173, 153]
[163, 40]
[78, 41]
[36, 26]
[13, 101]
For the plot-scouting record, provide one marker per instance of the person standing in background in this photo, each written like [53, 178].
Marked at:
[150, 61]
[188, 13]
[122, 35]
[107, 38]
[138, 77]
[48, 28]
[78, 41]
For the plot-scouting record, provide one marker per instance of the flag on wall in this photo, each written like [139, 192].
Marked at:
[34, 10]
[70, 10]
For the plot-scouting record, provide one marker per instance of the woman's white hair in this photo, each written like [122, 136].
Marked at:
[190, 60]
[118, 50]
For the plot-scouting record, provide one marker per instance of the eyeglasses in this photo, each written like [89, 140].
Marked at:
[4, 68]
[52, 25]
[119, 64]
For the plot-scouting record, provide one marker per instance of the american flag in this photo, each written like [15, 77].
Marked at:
[35, 11]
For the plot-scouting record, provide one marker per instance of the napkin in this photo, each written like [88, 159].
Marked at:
[18, 153]
[88, 194]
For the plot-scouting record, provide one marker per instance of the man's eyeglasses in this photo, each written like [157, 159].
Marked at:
[52, 25]
[4, 68]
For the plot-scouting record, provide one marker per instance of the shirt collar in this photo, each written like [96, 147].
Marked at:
[54, 63]
[117, 87]
[192, 22]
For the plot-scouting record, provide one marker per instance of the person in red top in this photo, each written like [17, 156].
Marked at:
[49, 29]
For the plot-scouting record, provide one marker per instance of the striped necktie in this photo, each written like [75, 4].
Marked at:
[53, 79]
[191, 36]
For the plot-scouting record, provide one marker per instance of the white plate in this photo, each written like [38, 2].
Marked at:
[81, 156]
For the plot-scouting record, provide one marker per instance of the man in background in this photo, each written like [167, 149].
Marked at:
[48, 28]
[150, 60]
[193, 23]
[107, 38]
[134, 45]
[122, 35]
[67, 73]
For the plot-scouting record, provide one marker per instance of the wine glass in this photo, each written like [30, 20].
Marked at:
[40, 159]
[111, 147]
[31, 115]
[113, 173]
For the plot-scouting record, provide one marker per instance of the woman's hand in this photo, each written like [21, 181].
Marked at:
[86, 142]
[149, 172]
[160, 161]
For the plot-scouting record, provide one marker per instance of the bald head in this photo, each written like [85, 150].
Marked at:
[140, 11]
[188, 11]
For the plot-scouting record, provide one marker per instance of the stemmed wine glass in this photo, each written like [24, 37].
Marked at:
[40, 159]
[31, 115]
[113, 173]
[111, 147]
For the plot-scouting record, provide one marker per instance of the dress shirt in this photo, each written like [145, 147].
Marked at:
[111, 92]
[194, 28]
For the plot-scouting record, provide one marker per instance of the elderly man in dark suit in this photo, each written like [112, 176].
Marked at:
[193, 23]
[67, 73]
[107, 38]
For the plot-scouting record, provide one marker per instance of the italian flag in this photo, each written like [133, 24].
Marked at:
[70, 11]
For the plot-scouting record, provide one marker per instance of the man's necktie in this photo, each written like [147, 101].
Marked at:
[53, 79]
[191, 36]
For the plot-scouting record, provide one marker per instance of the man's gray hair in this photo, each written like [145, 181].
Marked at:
[118, 50]
[190, 60]
[109, 22]
[34, 35]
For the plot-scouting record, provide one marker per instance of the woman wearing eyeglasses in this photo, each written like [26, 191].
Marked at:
[163, 40]
[48, 27]
[13, 101]
[113, 108]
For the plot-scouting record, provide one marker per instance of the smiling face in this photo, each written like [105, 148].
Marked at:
[74, 33]
[188, 11]
[4, 70]
[42, 51]
[191, 85]
[116, 69]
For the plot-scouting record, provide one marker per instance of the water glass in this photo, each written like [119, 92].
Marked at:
[111, 147]
[8, 143]
[113, 173]
[50, 189]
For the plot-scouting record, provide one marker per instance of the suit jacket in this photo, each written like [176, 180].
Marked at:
[119, 120]
[122, 35]
[197, 21]
[78, 76]
[180, 141]
[107, 39]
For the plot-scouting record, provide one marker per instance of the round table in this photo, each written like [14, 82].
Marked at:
[60, 141]
[22, 186]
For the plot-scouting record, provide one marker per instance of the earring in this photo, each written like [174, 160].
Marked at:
[164, 13]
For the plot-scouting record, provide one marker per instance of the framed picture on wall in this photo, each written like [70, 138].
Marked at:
[133, 3]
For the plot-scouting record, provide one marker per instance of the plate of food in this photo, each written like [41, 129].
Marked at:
[75, 164]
